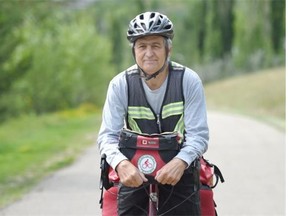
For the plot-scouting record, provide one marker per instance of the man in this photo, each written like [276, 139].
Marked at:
[154, 96]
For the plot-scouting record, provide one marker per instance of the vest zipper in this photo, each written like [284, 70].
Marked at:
[159, 123]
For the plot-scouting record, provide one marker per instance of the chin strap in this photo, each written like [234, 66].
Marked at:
[147, 76]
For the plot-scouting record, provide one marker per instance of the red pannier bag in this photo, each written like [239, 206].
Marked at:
[109, 202]
[208, 174]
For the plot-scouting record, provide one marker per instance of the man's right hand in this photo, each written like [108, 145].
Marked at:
[129, 175]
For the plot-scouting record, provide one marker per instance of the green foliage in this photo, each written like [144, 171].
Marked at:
[190, 29]
[58, 54]
[253, 47]
[219, 33]
[68, 63]
[10, 17]
[228, 37]
[277, 24]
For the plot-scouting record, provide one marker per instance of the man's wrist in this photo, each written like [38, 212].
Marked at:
[185, 164]
[121, 164]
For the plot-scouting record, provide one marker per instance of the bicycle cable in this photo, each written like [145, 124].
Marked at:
[143, 186]
[170, 194]
[194, 192]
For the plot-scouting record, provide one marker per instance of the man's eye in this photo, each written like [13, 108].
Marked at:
[141, 47]
[156, 46]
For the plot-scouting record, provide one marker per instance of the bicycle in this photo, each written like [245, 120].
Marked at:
[110, 182]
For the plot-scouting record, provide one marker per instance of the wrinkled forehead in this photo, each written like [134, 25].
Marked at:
[151, 39]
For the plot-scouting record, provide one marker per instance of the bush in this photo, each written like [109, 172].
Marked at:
[69, 65]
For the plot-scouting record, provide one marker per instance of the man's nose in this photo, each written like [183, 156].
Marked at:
[149, 51]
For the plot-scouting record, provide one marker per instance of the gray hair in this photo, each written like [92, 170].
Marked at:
[167, 41]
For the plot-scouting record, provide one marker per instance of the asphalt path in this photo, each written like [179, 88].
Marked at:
[250, 154]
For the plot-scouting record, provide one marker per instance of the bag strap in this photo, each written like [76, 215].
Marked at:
[218, 175]
[104, 178]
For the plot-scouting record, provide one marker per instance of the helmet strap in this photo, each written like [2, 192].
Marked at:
[147, 76]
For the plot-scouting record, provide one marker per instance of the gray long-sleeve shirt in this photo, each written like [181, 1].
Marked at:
[195, 117]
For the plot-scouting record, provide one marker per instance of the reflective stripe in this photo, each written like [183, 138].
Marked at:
[172, 109]
[133, 124]
[140, 112]
[180, 126]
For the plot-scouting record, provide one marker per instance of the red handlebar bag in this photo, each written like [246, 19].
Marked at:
[149, 152]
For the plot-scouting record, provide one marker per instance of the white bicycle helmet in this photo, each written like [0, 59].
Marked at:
[150, 23]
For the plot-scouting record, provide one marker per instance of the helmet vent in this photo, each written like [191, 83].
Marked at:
[159, 22]
[168, 27]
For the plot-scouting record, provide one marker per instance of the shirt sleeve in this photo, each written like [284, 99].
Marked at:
[113, 117]
[195, 118]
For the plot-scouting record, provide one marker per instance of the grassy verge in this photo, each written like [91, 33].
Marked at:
[260, 95]
[32, 147]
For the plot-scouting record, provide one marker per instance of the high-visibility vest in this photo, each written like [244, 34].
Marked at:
[141, 117]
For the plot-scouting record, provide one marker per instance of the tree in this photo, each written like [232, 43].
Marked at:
[66, 67]
[10, 18]
[219, 29]
[252, 44]
[277, 24]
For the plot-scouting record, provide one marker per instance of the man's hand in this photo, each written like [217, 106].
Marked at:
[172, 172]
[129, 175]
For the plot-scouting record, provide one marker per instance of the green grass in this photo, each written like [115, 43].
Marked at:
[32, 147]
[260, 95]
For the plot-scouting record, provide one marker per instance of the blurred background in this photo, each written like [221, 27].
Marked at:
[57, 58]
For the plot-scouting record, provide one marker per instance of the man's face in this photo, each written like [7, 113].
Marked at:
[150, 53]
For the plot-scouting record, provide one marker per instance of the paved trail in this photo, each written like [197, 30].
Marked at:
[250, 154]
